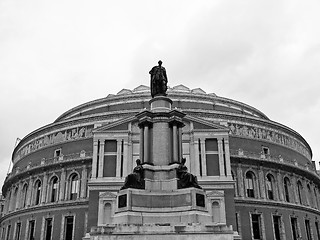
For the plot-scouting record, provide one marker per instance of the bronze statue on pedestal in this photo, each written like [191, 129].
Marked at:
[158, 81]
[135, 179]
[186, 179]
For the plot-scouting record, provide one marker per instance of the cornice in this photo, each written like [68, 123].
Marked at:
[263, 203]
[46, 207]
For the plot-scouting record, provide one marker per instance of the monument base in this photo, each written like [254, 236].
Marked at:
[164, 207]
[162, 232]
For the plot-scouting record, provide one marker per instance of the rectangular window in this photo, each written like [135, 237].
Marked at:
[308, 229]
[48, 229]
[256, 226]
[250, 187]
[212, 157]
[294, 228]
[8, 232]
[57, 152]
[317, 229]
[265, 151]
[31, 230]
[18, 230]
[69, 228]
[110, 158]
[277, 227]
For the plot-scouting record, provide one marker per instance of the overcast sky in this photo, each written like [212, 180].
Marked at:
[55, 55]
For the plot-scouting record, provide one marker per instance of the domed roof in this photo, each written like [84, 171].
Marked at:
[183, 98]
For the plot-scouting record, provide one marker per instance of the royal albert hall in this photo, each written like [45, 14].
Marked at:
[66, 175]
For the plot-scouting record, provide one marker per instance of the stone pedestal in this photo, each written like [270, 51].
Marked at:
[163, 232]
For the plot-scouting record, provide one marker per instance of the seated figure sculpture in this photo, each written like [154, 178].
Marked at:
[186, 179]
[135, 179]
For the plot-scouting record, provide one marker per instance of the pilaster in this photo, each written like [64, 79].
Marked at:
[118, 161]
[125, 157]
[196, 157]
[227, 156]
[280, 186]
[240, 180]
[18, 202]
[94, 159]
[44, 187]
[62, 185]
[262, 183]
[29, 196]
[203, 157]
[221, 159]
[84, 180]
[101, 159]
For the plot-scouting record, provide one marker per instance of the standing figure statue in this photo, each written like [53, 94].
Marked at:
[186, 179]
[158, 81]
[135, 179]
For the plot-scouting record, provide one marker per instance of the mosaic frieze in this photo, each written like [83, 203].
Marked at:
[269, 135]
[54, 138]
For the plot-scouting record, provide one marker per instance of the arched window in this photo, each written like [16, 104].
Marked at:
[24, 195]
[250, 184]
[54, 189]
[37, 192]
[270, 186]
[287, 187]
[299, 184]
[74, 186]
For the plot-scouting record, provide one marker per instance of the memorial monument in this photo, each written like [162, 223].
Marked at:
[160, 199]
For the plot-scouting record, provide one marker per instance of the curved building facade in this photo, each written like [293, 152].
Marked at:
[66, 174]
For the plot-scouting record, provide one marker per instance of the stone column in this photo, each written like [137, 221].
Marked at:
[94, 159]
[101, 159]
[146, 144]
[44, 187]
[62, 184]
[203, 157]
[221, 159]
[141, 143]
[262, 184]
[180, 144]
[84, 179]
[240, 181]
[175, 142]
[227, 155]
[118, 160]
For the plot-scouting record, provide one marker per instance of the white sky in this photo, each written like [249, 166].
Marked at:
[55, 55]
